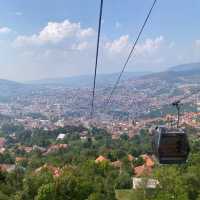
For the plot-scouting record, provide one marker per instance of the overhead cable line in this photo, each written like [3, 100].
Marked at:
[130, 54]
[186, 96]
[96, 61]
[178, 104]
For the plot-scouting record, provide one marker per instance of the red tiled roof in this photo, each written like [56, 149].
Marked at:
[142, 170]
[6, 167]
[101, 159]
[148, 160]
[18, 159]
[130, 157]
[56, 172]
[2, 142]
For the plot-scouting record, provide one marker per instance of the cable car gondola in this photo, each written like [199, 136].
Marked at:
[171, 145]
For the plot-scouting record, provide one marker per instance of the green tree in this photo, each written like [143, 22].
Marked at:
[138, 162]
[171, 184]
[46, 192]
[32, 183]
[124, 181]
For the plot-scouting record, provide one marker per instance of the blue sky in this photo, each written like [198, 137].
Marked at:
[42, 39]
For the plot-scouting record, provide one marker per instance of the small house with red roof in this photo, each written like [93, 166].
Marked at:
[101, 159]
[146, 168]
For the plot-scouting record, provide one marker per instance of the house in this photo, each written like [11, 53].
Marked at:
[41, 149]
[83, 138]
[56, 171]
[147, 183]
[148, 160]
[115, 136]
[117, 164]
[2, 142]
[61, 136]
[2, 150]
[130, 158]
[101, 159]
[13, 136]
[46, 128]
[28, 149]
[146, 168]
[60, 123]
[84, 133]
[7, 168]
[56, 147]
[142, 170]
[19, 159]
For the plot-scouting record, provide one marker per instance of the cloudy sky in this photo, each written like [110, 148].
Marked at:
[49, 38]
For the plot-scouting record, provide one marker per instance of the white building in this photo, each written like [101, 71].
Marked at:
[61, 136]
[147, 183]
[198, 106]
[60, 123]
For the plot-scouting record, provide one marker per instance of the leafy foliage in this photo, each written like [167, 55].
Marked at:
[81, 178]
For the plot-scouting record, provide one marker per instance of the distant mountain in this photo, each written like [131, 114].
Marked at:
[11, 88]
[181, 74]
[178, 74]
[108, 79]
[175, 81]
[186, 67]
[87, 80]
[4, 82]
[8, 88]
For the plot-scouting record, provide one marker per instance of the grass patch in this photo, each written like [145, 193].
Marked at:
[125, 194]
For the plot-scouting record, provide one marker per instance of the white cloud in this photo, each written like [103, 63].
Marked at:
[149, 45]
[118, 45]
[5, 30]
[27, 41]
[81, 46]
[86, 33]
[70, 48]
[56, 32]
[122, 45]
[151, 52]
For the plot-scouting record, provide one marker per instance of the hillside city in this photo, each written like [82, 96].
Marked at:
[48, 132]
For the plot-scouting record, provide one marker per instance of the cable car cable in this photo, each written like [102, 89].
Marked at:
[186, 96]
[130, 54]
[177, 104]
[96, 60]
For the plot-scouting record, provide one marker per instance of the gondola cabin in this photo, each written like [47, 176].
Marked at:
[170, 145]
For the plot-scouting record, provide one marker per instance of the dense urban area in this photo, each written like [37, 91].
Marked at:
[51, 149]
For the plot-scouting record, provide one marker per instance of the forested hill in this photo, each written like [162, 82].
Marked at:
[186, 73]
[11, 88]
[186, 67]
[87, 80]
